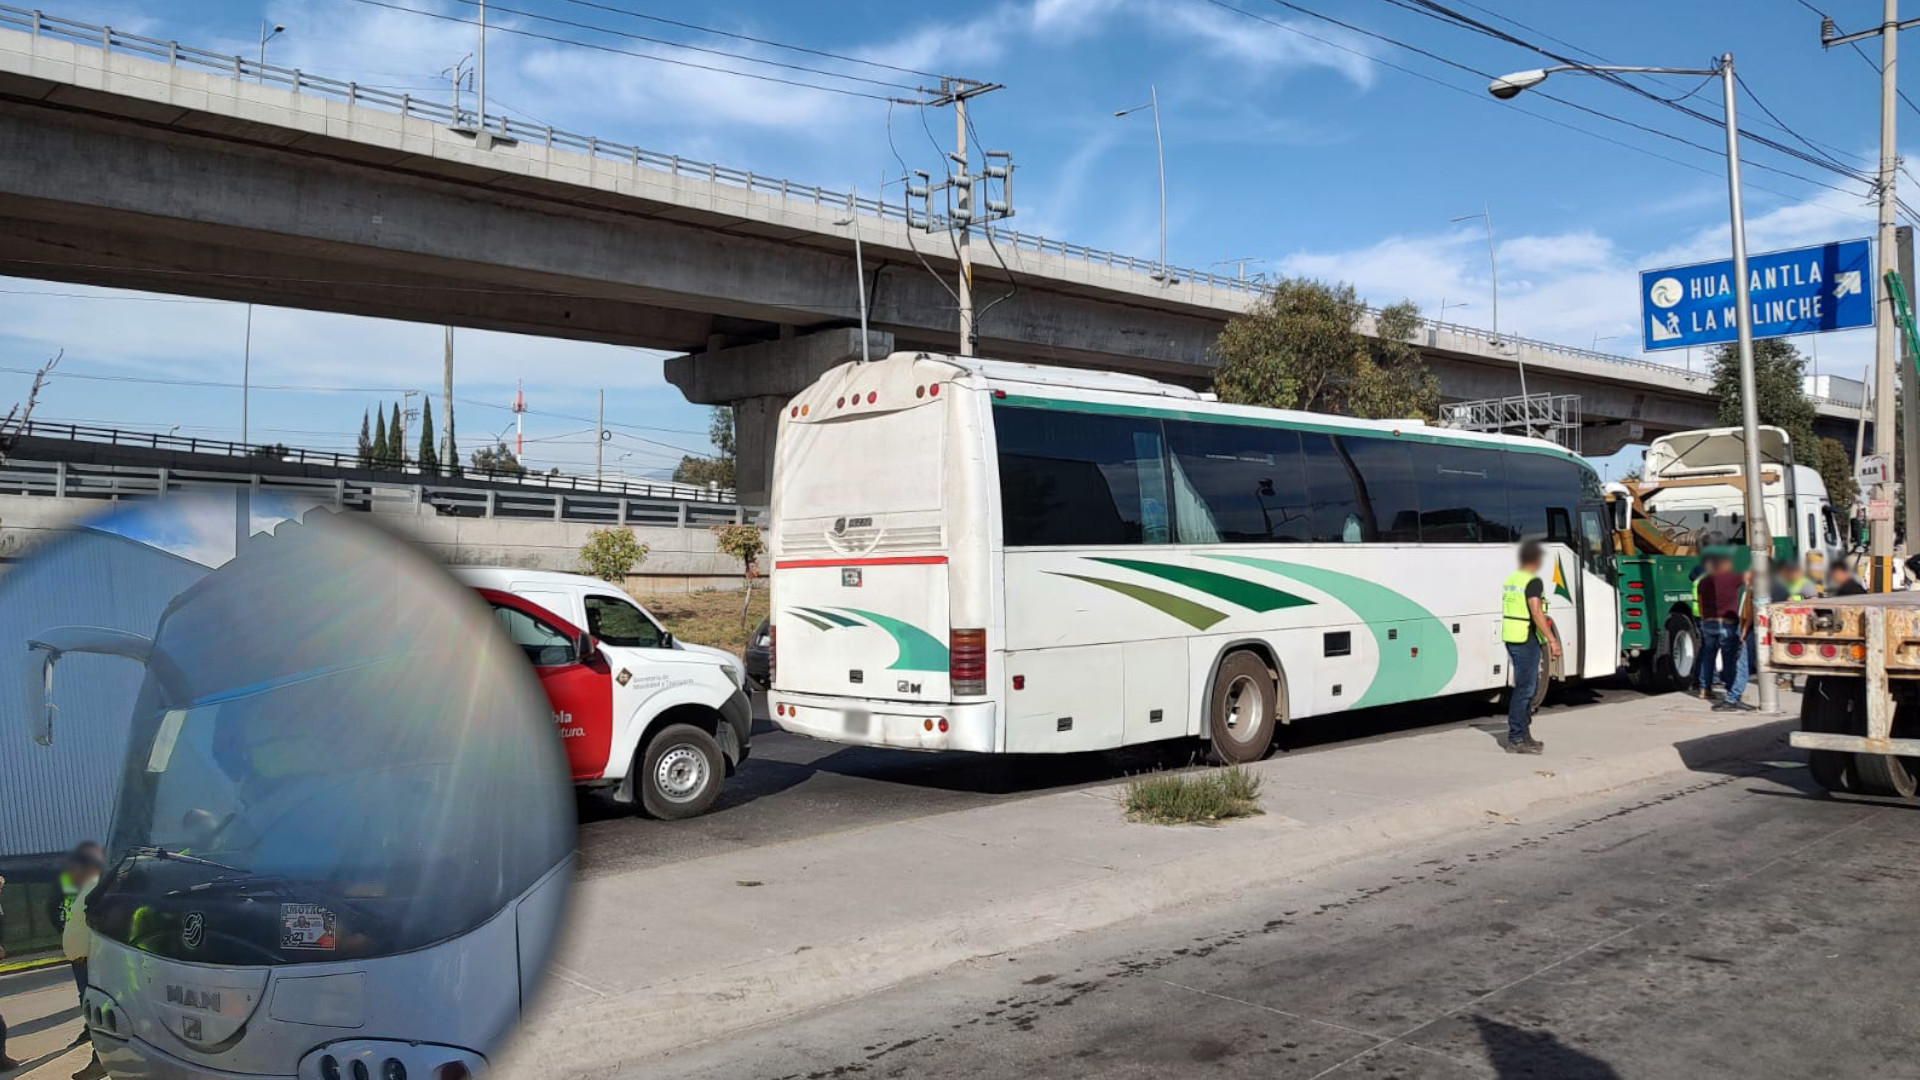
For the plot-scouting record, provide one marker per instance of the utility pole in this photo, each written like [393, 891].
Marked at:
[599, 436]
[1880, 498]
[446, 397]
[246, 374]
[1909, 399]
[963, 211]
[481, 85]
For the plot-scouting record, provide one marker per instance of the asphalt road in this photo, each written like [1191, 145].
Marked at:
[793, 787]
[1723, 926]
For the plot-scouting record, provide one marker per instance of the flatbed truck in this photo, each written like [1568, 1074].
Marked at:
[1860, 713]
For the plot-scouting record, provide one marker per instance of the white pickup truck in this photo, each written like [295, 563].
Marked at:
[658, 721]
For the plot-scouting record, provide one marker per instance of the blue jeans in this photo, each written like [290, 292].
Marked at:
[1525, 660]
[1745, 651]
[1715, 635]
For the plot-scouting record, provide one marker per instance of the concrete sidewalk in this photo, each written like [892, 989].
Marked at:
[667, 957]
[42, 1011]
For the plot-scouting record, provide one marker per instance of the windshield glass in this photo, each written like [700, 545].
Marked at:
[365, 772]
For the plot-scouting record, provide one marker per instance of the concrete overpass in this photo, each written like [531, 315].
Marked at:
[138, 163]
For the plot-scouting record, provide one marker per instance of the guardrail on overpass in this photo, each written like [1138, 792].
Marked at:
[112, 483]
[261, 456]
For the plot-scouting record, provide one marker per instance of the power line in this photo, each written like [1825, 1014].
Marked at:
[1516, 108]
[558, 21]
[1862, 53]
[67, 373]
[755, 40]
[556, 39]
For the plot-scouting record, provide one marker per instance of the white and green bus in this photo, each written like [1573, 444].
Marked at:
[1007, 558]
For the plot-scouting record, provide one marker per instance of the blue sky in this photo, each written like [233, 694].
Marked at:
[1302, 156]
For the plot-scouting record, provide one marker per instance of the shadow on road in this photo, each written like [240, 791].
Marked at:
[1519, 1054]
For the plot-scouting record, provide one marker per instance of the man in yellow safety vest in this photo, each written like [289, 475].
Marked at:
[1523, 629]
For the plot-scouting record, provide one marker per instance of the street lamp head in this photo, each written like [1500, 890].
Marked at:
[1509, 86]
[278, 29]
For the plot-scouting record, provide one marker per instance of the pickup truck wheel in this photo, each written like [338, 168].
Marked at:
[680, 773]
[1827, 708]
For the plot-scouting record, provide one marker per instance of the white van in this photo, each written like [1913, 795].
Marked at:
[659, 721]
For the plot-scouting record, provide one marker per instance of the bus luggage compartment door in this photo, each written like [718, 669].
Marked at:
[867, 628]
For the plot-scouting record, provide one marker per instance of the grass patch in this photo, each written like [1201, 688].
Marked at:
[1193, 798]
[710, 616]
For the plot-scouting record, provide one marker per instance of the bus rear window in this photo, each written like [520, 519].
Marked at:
[878, 462]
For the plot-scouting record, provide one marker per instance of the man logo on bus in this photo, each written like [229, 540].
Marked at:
[194, 931]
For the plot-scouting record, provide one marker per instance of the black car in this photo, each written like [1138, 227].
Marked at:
[760, 656]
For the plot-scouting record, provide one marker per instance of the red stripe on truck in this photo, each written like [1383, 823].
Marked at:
[889, 560]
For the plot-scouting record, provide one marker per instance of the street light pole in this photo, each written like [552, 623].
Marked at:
[268, 31]
[1160, 154]
[859, 270]
[1493, 276]
[246, 374]
[1758, 544]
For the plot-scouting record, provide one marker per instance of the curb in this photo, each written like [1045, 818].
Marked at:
[636, 1028]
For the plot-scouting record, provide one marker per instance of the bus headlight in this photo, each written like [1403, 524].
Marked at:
[385, 1059]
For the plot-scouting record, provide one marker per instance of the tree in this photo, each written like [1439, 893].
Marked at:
[610, 554]
[1301, 346]
[1779, 390]
[498, 459]
[396, 441]
[743, 542]
[453, 447]
[1835, 465]
[20, 414]
[379, 455]
[270, 452]
[429, 457]
[718, 470]
[364, 450]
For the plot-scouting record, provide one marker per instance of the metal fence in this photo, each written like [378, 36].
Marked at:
[263, 456]
[113, 483]
[444, 113]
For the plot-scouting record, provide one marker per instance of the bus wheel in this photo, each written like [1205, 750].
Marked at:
[680, 773]
[1242, 709]
[1544, 682]
[1828, 709]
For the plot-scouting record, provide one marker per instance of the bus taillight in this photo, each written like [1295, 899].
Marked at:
[967, 661]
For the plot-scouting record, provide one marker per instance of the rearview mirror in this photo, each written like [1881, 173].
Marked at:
[38, 684]
[45, 649]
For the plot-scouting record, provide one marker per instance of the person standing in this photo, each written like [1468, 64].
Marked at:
[1524, 628]
[7, 1064]
[1721, 643]
[76, 940]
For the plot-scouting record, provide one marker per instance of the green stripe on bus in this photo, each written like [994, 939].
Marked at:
[1248, 594]
[919, 650]
[817, 624]
[1198, 616]
[1412, 432]
[1401, 676]
[833, 617]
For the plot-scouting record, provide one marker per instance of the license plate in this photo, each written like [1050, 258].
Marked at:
[858, 720]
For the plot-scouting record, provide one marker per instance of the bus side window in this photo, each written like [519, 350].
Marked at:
[1333, 492]
[1079, 478]
[1385, 469]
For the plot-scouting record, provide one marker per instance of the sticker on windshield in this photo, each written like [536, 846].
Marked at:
[306, 926]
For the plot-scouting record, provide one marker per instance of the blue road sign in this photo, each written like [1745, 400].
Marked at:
[1804, 291]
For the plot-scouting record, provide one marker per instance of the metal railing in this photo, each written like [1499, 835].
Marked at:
[1548, 416]
[443, 113]
[263, 455]
[114, 483]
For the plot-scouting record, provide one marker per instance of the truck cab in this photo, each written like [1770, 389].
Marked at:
[1693, 482]
[656, 722]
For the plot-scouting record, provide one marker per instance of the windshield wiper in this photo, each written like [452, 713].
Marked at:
[155, 851]
[244, 880]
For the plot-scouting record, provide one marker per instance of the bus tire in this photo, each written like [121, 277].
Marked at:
[1544, 682]
[681, 769]
[1827, 708]
[1243, 709]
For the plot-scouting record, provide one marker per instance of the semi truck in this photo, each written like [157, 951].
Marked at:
[1860, 714]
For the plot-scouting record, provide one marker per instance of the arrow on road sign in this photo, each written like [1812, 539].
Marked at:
[1846, 283]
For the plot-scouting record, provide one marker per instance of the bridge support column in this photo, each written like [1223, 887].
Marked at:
[758, 380]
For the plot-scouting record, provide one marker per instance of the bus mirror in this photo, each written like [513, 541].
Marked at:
[583, 648]
[40, 709]
[1622, 514]
[45, 649]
